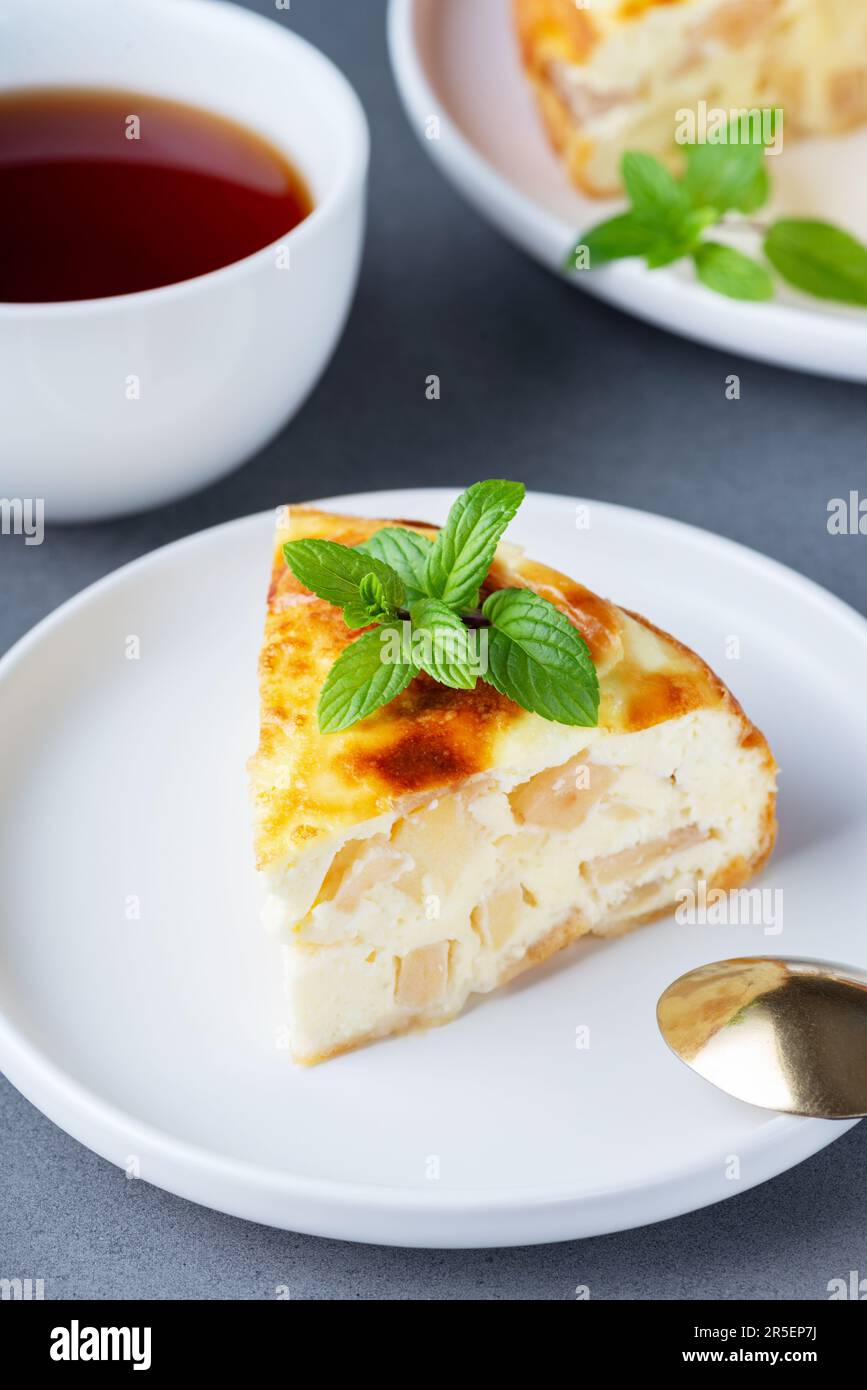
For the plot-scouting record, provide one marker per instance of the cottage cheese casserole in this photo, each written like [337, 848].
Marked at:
[611, 75]
[451, 839]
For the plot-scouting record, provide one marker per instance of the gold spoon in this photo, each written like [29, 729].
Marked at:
[786, 1034]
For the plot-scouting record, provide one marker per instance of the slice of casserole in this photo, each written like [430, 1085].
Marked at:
[452, 839]
[611, 75]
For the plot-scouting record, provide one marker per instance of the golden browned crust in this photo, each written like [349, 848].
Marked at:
[310, 787]
[549, 27]
[412, 1024]
[557, 31]
[557, 939]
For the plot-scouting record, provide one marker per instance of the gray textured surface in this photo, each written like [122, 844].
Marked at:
[538, 383]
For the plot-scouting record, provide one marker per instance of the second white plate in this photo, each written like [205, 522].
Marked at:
[140, 1001]
[458, 61]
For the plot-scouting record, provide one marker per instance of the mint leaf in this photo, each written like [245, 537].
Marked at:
[819, 258]
[462, 553]
[731, 273]
[372, 592]
[626, 235]
[365, 676]
[730, 176]
[658, 200]
[620, 236]
[405, 551]
[441, 644]
[538, 659]
[665, 252]
[334, 572]
[757, 194]
[373, 605]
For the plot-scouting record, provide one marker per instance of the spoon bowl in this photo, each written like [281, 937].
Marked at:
[784, 1034]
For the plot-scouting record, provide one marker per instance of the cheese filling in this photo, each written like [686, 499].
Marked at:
[420, 909]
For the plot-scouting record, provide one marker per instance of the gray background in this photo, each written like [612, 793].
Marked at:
[543, 384]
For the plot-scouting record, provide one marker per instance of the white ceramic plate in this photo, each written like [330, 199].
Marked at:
[140, 1000]
[459, 61]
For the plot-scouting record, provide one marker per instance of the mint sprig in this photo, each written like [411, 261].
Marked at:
[420, 600]
[723, 183]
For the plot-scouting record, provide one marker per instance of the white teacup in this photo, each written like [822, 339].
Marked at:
[112, 405]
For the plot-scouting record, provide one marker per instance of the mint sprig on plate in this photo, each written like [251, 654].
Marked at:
[419, 601]
[723, 184]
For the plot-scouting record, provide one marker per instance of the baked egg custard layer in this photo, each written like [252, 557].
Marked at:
[451, 839]
[611, 75]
